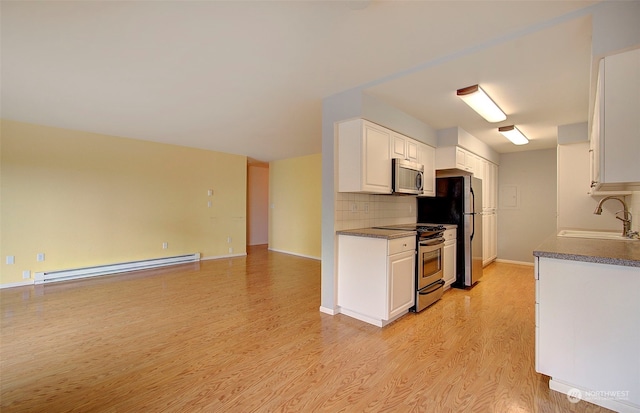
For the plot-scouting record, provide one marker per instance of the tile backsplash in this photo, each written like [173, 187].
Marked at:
[364, 210]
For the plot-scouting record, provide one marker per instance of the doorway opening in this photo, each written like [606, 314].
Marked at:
[257, 204]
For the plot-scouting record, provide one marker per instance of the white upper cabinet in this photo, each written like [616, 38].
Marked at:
[427, 157]
[364, 162]
[365, 150]
[412, 150]
[455, 157]
[403, 147]
[615, 132]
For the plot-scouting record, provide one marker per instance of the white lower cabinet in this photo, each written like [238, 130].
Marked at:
[376, 277]
[449, 257]
[588, 330]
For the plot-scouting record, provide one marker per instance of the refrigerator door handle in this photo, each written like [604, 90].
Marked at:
[473, 213]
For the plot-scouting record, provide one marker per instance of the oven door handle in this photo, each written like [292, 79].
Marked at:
[431, 288]
[434, 241]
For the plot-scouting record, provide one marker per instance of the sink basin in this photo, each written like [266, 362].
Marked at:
[571, 233]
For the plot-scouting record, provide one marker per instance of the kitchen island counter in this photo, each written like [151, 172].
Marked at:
[588, 318]
[613, 252]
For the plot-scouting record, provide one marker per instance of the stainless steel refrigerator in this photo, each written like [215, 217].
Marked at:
[458, 201]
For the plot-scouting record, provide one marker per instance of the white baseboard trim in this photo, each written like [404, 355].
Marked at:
[219, 257]
[362, 317]
[19, 284]
[529, 264]
[296, 254]
[596, 397]
[370, 320]
[330, 311]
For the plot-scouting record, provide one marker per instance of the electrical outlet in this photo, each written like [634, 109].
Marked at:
[354, 207]
[26, 274]
[210, 192]
[40, 257]
[11, 259]
[230, 250]
[229, 239]
[165, 245]
[209, 204]
[366, 208]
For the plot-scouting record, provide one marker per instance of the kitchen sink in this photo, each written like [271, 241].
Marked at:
[571, 233]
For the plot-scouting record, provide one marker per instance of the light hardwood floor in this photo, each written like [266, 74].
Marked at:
[245, 334]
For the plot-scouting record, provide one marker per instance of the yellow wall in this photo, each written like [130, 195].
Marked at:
[295, 205]
[86, 199]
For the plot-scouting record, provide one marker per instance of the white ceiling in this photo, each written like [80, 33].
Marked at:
[249, 77]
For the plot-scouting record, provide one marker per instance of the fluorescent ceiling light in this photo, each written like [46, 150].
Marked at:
[513, 134]
[479, 101]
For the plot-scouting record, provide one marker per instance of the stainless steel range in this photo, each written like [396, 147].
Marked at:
[429, 262]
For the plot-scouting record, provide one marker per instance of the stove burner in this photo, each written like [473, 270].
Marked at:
[429, 231]
[430, 228]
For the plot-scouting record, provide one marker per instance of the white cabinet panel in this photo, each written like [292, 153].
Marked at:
[401, 282]
[489, 238]
[376, 277]
[404, 147]
[455, 157]
[489, 211]
[615, 133]
[364, 162]
[362, 275]
[588, 320]
[449, 257]
[412, 150]
[398, 146]
[427, 157]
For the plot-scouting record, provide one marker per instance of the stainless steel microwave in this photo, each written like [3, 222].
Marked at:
[407, 177]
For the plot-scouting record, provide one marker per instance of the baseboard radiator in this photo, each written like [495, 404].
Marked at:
[64, 275]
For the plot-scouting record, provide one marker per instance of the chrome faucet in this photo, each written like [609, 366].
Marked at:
[626, 219]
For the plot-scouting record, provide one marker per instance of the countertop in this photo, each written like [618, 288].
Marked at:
[377, 233]
[385, 233]
[600, 251]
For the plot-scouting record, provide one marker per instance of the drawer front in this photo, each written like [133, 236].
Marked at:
[449, 234]
[402, 244]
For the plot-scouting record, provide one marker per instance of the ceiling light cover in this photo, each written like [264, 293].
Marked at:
[479, 101]
[513, 134]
